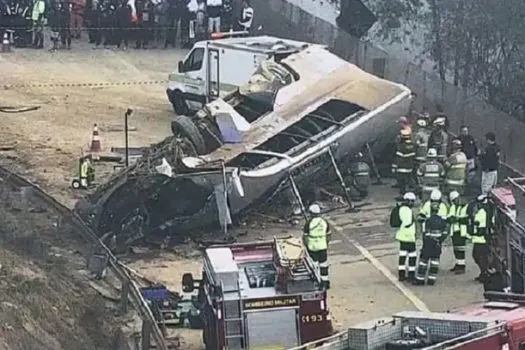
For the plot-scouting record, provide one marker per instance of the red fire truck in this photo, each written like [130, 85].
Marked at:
[262, 295]
[497, 324]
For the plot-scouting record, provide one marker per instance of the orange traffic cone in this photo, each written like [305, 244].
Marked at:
[95, 146]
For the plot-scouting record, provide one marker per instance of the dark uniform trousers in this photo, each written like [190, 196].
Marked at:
[407, 249]
[321, 257]
[480, 253]
[460, 247]
[429, 260]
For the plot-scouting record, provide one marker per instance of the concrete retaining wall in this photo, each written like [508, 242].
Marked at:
[283, 19]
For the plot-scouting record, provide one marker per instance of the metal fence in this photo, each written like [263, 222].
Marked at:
[283, 19]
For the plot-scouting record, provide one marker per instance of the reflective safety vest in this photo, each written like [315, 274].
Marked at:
[431, 174]
[480, 227]
[424, 211]
[317, 231]
[453, 212]
[407, 231]
[463, 216]
[405, 154]
[84, 168]
[421, 141]
[456, 166]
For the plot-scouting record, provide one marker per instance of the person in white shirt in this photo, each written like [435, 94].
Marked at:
[246, 16]
[213, 9]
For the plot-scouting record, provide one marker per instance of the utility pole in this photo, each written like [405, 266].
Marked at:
[129, 111]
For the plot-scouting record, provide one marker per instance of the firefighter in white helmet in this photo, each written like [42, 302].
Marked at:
[402, 218]
[430, 175]
[421, 137]
[439, 138]
[435, 200]
[316, 236]
[458, 219]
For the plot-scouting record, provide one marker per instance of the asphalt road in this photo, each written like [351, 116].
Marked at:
[363, 256]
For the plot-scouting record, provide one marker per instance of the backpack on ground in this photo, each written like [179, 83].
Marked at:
[395, 220]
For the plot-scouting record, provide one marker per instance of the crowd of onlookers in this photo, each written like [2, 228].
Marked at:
[120, 23]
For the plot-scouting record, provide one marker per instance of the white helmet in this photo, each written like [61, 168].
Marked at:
[314, 209]
[409, 196]
[421, 122]
[432, 152]
[453, 195]
[439, 121]
[435, 195]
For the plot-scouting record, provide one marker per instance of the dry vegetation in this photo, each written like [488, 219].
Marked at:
[46, 301]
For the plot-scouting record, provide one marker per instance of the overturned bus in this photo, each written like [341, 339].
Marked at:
[297, 115]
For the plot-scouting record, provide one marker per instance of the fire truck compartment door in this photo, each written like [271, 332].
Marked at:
[272, 329]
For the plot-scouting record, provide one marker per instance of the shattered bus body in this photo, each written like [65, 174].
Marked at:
[237, 151]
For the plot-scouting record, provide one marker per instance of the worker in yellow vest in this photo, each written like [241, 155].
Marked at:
[480, 236]
[458, 219]
[84, 172]
[316, 236]
[406, 236]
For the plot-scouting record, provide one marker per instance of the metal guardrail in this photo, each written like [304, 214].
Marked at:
[130, 290]
[338, 341]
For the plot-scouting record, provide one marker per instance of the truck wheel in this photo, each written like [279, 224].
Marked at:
[179, 103]
[184, 126]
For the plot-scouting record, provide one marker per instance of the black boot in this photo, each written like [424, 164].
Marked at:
[401, 276]
[460, 270]
[455, 268]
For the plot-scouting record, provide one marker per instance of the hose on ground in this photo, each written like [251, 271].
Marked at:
[18, 109]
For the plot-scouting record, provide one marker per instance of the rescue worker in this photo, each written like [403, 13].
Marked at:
[421, 140]
[406, 236]
[459, 219]
[405, 125]
[439, 138]
[39, 8]
[455, 169]
[84, 170]
[433, 236]
[469, 147]
[430, 175]
[403, 165]
[480, 235]
[424, 211]
[246, 16]
[316, 236]
[360, 173]
[489, 160]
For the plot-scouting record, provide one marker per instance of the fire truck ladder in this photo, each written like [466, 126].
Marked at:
[234, 332]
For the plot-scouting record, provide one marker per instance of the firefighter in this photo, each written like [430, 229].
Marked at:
[458, 218]
[403, 165]
[39, 8]
[439, 138]
[430, 175]
[480, 235]
[406, 236]
[360, 174]
[433, 236]
[455, 169]
[424, 211]
[316, 232]
[421, 140]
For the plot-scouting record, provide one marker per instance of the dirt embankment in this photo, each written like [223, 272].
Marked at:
[46, 301]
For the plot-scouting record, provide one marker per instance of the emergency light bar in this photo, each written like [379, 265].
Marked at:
[231, 33]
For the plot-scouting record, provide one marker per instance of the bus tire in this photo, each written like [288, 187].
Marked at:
[184, 126]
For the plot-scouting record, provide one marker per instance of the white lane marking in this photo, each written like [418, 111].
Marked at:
[334, 242]
[407, 293]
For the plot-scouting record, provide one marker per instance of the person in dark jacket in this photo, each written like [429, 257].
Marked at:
[65, 25]
[469, 147]
[173, 16]
[138, 26]
[148, 23]
[54, 23]
[123, 17]
[489, 159]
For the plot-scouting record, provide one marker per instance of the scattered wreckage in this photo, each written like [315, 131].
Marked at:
[297, 116]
